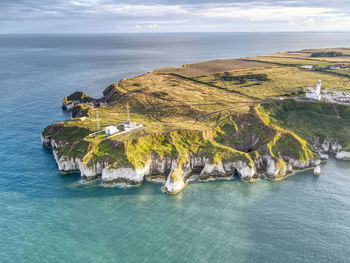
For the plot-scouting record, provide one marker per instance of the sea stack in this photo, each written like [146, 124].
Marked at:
[317, 170]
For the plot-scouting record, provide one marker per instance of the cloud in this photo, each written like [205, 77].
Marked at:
[172, 15]
[259, 13]
[147, 26]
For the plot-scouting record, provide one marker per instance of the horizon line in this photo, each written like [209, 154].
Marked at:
[173, 32]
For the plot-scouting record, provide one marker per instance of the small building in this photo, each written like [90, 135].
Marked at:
[307, 67]
[335, 67]
[129, 125]
[109, 130]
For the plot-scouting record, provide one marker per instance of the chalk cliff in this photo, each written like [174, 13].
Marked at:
[242, 145]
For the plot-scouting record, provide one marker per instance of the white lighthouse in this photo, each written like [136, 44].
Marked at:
[315, 95]
[318, 87]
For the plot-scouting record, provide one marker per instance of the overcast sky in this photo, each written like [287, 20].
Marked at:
[113, 16]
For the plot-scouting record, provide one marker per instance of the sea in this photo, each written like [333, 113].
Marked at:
[49, 217]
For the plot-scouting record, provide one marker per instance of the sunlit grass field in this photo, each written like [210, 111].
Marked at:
[197, 96]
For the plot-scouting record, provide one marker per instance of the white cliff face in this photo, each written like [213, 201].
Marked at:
[336, 147]
[160, 166]
[328, 146]
[212, 170]
[168, 166]
[342, 155]
[46, 142]
[325, 145]
[333, 147]
[93, 171]
[125, 175]
[296, 164]
[245, 172]
[66, 164]
[270, 166]
[290, 164]
[172, 186]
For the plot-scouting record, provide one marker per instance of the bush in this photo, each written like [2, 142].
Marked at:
[326, 54]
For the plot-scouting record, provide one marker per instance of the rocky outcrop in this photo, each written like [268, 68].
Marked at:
[334, 147]
[323, 156]
[48, 134]
[342, 155]
[300, 165]
[79, 97]
[175, 184]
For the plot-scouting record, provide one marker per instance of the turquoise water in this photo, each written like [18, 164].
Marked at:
[48, 217]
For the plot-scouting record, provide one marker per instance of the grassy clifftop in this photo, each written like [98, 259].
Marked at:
[224, 110]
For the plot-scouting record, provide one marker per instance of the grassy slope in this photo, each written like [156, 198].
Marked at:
[313, 119]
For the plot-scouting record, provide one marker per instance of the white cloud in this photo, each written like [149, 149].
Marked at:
[133, 16]
[310, 21]
[143, 10]
[147, 26]
[153, 26]
[259, 13]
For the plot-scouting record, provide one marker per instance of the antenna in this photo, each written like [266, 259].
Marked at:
[98, 121]
[127, 111]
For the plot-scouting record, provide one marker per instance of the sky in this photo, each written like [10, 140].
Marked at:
[113, 16]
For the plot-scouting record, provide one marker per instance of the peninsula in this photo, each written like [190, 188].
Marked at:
[248, 117]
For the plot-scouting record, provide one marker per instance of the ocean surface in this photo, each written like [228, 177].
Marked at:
[49, 217]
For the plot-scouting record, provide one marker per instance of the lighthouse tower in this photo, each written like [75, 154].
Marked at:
[318, 88]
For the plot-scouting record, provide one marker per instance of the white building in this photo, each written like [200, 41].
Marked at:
[129, 125]
[307, 67]
[316, 95]
[109, 130]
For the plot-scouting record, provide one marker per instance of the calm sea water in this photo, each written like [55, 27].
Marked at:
[48, 217]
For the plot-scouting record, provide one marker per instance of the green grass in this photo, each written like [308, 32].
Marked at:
[311, 120]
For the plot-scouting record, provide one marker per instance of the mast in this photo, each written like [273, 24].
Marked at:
[127, 111]
[98, 121]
